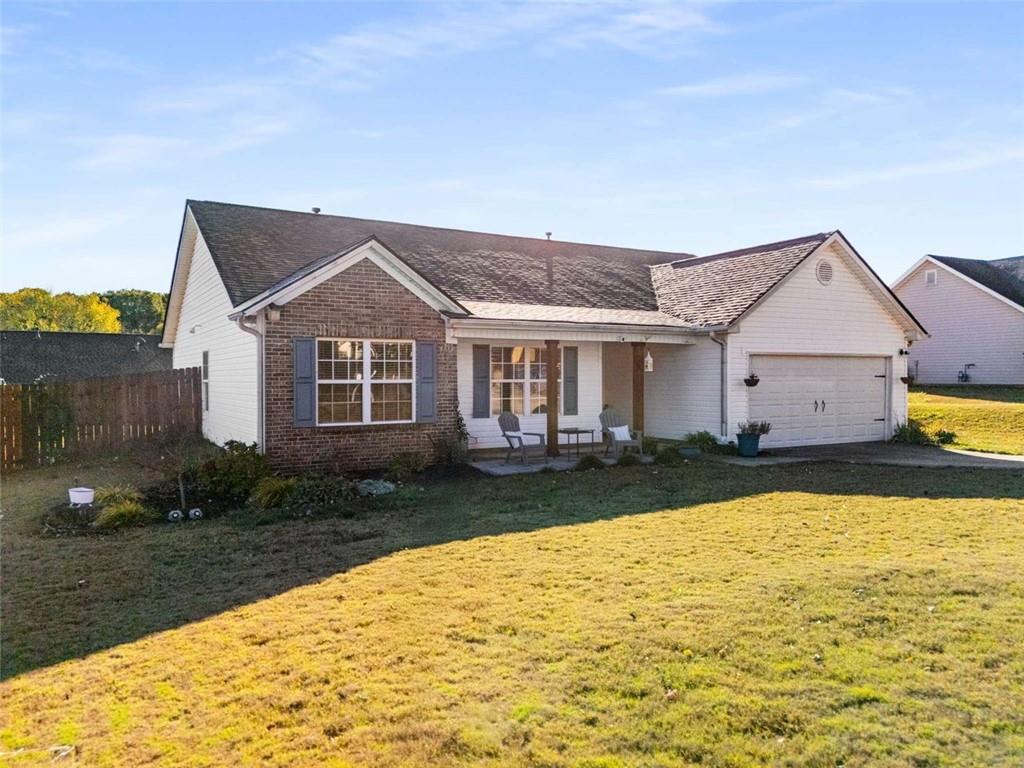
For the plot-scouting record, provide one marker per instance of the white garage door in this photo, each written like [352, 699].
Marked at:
[819, 400]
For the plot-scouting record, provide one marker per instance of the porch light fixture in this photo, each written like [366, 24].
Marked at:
[648, 362]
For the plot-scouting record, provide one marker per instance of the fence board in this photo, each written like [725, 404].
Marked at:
[40, 423]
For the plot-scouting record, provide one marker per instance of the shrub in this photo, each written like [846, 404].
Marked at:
[108, 495]
[124, 514]
[912, 432]
[708, 443]
[233, 474]
[404, 465]
[628, 459]
[452, 450]
[703, 440]
[668, 457]
[272, 492]
[590, 461]
[650, 445]
[944, 436]
[318, 492]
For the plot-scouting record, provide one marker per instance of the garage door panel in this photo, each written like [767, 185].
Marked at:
[819, 399]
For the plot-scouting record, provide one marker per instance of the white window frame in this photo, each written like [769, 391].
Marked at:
[366, 382]
[931, 277]
[527, 379]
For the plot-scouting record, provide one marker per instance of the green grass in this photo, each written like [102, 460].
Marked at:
[801, 615]
[983, 418]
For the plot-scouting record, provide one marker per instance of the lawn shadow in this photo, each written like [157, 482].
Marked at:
[66, 598]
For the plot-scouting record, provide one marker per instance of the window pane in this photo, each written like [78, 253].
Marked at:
[390, 360]
[538, 397]
[339, 359]
[391, 402]
[339, 403]
[506, 396]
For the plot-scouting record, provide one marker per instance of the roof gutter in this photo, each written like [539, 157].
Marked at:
[661, 330]
[261, 414]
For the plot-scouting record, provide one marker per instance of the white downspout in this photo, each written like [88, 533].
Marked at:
[260, 400]
[722, 381]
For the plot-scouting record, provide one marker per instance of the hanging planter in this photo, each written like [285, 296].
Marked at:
[908, 380]
[751, 380]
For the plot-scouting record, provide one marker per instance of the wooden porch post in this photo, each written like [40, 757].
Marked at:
[639, 351]
[552, 387]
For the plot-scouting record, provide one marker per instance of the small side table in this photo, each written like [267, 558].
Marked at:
[569, 432]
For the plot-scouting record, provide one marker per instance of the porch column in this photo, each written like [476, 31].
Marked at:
[639, 351]
[552, 387]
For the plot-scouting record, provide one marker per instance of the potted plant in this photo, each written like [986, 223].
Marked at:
[749, 437]
[751, 380]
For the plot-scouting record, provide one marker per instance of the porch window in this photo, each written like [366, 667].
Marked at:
[519, 380]
[364, 381]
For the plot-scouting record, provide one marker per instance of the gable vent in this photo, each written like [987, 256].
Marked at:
[931, 277]
[824, 272]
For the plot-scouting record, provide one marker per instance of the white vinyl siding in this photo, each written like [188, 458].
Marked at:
[681, 394]
[203, 326]
[804, 317]
[965, 325]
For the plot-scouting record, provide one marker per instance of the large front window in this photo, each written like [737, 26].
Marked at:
[519, 380]
[363, 381]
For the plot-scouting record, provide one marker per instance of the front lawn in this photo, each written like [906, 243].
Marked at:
[806, 615]
[983, 418]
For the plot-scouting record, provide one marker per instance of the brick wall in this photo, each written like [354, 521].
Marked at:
[361, 302]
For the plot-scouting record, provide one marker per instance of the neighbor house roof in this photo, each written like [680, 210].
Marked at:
[255, 248]
[1003, 276]
[31, 356]
[715, 290]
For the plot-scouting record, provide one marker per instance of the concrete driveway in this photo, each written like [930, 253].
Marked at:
[899, 455]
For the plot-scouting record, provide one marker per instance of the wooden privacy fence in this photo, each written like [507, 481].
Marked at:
[40, 423]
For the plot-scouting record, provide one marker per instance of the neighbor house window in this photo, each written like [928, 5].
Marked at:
[206, 381]
[519, 380]
[362, 381]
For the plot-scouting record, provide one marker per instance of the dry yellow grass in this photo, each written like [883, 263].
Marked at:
[803, 615]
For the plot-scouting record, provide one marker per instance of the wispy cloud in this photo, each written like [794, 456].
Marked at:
[971, 161]
[129, 150]
[60, 230]
[735, 85]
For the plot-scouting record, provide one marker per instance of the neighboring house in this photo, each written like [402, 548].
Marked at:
[337, 342]
[27, 357]
[974, 311]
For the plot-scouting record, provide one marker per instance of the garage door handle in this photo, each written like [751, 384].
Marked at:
[822, 406]
[815, 406]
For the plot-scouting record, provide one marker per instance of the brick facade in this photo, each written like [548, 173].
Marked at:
[361, 302]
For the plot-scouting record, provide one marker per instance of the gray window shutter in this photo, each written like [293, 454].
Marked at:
[481, 381]
[570, 381]
[304, 355]
[426, 381]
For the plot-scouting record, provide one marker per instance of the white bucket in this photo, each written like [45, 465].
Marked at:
[81, 495]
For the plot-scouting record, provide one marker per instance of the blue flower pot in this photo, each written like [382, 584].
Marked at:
[747, 445]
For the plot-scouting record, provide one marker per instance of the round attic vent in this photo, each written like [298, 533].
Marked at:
[824, 272]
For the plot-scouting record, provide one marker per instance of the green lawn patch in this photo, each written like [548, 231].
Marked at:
[983, 418]
[802, 615]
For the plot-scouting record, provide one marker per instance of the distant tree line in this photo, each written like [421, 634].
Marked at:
[129, 310]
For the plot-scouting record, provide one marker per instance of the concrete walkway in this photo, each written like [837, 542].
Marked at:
[897, 455]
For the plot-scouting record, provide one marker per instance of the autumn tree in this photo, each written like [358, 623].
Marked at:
[35, 308]
[141, 311]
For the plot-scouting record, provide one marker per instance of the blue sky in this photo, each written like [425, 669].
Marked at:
[697, 127]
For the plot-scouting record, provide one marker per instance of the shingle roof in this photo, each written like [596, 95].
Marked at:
[716, 290]
[1004, 276]
[254, 248]
[558, 314]
[29, 356]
